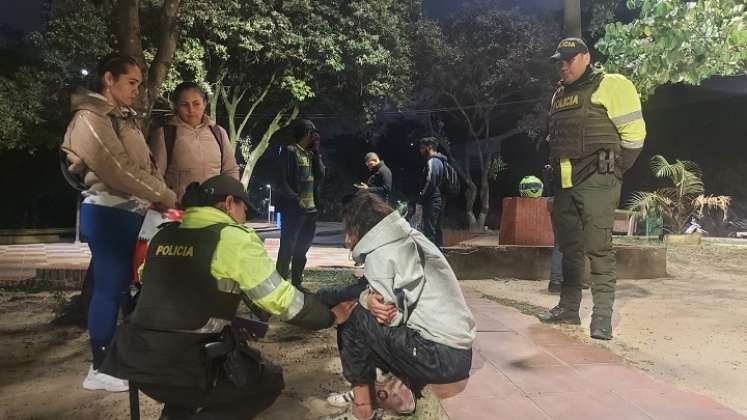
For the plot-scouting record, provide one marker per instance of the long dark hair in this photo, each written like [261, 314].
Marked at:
[364, 211]
[185, 86]
[115, 63]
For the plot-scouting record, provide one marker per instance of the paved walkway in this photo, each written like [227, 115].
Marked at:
[20, 262]
[521, 369]
[524, 370]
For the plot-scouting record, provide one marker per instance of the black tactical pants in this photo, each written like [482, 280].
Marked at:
[365, 345]
[296, 234]
[583, 216]
[225, 401]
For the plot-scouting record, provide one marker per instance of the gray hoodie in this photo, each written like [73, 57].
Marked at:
[412, 273]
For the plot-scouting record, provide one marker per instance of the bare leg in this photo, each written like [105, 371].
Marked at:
[362, 402]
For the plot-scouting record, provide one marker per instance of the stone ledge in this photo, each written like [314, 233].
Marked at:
[533, 262]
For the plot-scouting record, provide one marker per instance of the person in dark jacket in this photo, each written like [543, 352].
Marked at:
[182, 345]
[300, 174]
[380, 179]
[430, 197]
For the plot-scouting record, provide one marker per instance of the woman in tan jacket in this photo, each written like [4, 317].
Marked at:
[105, 146]
[190, 147]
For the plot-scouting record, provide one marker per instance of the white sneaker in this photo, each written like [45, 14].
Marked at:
[340, 400]
[344, 399]
[96, 380]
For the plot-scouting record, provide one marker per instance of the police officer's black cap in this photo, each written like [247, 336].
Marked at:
[213, 190]
[568, 48]
[223, 186]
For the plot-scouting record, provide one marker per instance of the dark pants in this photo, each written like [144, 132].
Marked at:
[331, 296]
[365, 345]
[583, 216]
[432, 211]
[296, 234]
[225, 401]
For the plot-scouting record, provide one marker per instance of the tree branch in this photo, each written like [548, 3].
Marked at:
[159, 68]
[255, 104]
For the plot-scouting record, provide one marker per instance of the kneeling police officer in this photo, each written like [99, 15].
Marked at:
[179, 346]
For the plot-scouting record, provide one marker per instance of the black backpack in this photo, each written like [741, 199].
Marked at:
[450, 182]
[74, 180]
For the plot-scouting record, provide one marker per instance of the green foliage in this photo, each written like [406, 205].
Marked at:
[678, 42]
[34, 96]
[346, 55]
[485, 56]
[19, 114]
[472, 65]
[677, 202]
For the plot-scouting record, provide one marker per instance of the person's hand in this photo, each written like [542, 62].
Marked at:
[342, 311]
[362, 186]
[383, 312]
[160, 207]
[315, 144]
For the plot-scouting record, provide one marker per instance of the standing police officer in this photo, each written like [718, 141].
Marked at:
[596, 133]
[180, 346]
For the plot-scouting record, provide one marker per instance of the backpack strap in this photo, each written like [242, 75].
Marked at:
[169, 139]
[218, 138]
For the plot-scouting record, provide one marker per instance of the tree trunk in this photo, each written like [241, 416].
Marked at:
[159, 68]
[276, 124]
[126, 25]
[572, 18]
[484, 199]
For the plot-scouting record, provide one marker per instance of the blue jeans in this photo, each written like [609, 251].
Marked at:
[111, 235]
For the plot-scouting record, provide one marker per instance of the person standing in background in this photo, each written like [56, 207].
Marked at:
[300, 174]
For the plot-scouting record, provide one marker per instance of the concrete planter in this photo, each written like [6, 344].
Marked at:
[533, 262]
[692, 239]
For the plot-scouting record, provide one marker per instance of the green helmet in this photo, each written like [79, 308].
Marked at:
[530, 186]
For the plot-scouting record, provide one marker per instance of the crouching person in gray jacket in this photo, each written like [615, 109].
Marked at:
[412, 321]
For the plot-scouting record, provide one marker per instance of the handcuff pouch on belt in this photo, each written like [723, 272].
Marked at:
[606, 162]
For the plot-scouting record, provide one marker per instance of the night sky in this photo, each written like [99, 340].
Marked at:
[22, 15]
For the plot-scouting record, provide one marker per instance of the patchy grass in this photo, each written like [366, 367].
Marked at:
[523, 307]
[330, 277]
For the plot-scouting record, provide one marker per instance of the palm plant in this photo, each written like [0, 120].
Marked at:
[677, 202]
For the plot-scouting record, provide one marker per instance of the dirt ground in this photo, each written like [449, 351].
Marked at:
[44, 358]
[689, 329]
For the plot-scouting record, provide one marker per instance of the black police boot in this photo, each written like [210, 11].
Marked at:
[560, 315]
[601, 327]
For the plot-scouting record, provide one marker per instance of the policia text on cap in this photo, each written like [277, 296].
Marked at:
[193, 278]
[596, 132]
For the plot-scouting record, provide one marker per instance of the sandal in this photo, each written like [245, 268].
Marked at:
[393, 395]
